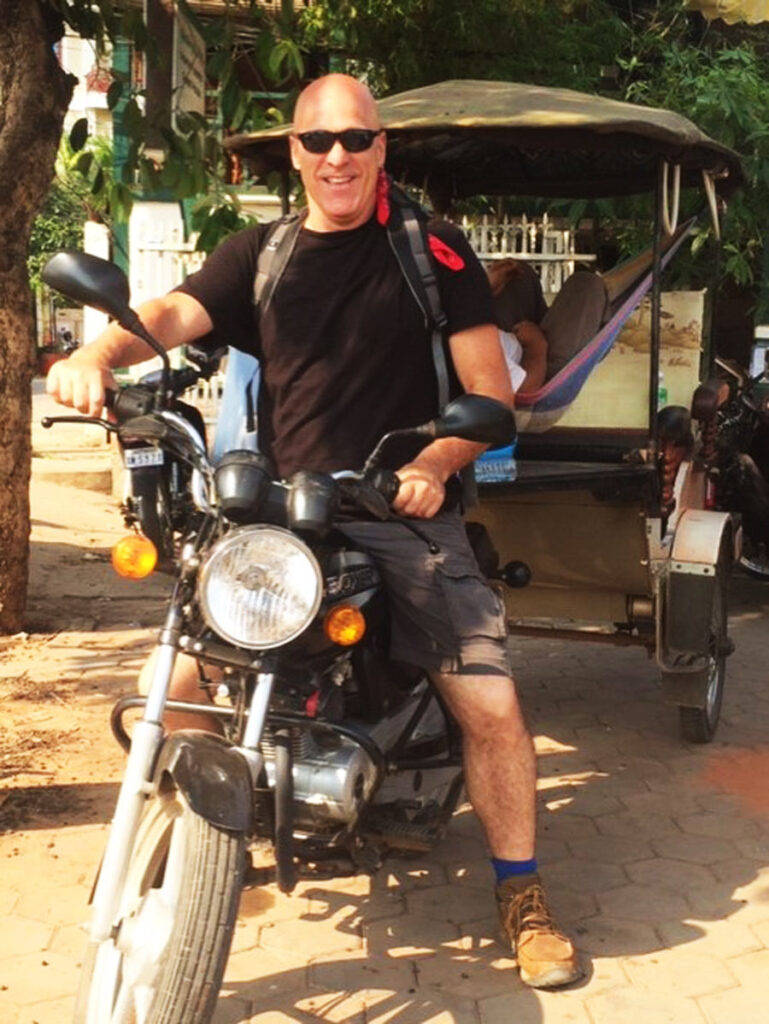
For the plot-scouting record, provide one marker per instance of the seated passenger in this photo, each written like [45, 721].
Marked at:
[525, 350]
[519, 305]
[576, 315]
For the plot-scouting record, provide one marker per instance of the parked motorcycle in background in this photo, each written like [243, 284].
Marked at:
[742, 461]
[157, 484]
[327, 748]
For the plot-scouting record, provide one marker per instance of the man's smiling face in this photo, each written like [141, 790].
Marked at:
[340, 186]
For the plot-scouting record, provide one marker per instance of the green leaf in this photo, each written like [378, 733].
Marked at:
[133, 119]
[83, 163]
[114, 93]
[98, 182]
[78, 134]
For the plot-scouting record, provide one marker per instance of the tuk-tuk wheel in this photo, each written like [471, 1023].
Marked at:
[754, 560]
[699, 724]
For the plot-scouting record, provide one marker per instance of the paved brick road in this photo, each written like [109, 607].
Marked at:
[656, 855]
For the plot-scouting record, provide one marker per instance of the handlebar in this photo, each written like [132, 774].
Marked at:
[350, 491]
[387, 483]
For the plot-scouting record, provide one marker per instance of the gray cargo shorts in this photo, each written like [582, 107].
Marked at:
[444, 615]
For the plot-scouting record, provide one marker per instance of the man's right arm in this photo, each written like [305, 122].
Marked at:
[80, 381]
[533, 355]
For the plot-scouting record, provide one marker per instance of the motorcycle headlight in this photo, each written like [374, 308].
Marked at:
[260, 587]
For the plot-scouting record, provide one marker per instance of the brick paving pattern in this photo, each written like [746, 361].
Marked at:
[655, 853]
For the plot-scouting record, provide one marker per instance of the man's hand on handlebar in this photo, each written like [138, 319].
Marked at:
[421, 492]
[80, 382]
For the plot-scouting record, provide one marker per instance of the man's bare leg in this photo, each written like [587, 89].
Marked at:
[500, 773]
[500, 765]
[185, 685]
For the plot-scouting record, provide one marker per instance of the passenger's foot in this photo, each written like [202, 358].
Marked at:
[546, 957]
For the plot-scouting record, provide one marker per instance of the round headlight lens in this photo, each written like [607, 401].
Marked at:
[260, 587]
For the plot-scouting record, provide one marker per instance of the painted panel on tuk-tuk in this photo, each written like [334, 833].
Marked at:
[617, 392]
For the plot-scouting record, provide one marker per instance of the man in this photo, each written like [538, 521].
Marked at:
[519, 305]
[345, 355]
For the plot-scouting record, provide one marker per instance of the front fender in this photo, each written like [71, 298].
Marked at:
[213, 777]
[702, 554]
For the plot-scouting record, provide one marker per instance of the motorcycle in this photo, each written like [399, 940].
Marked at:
[327, 748]
[741, 461]
[157, 495]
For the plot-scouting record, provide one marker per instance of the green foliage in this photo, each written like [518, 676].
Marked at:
[80, 192]
[59, 225]
[253, 59]
[721, 82]
[647, 51]
[402, 44]
[216, 215]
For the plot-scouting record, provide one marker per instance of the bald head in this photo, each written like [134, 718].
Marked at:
[324, 97]
[340, 182]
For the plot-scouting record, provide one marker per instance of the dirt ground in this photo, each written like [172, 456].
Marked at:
[81, 617]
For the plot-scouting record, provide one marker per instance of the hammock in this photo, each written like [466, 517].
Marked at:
[626, 287]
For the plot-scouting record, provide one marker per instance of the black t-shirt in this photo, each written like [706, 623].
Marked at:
[345, 353]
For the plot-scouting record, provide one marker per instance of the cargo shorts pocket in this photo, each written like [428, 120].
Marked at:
[472, 606]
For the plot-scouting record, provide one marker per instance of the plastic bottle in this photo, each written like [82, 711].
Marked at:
[496, 466]
[662, 392]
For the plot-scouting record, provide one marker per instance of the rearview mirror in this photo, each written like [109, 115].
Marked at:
[469, 417]
[99, 283]
[90, 280]
[476, 418]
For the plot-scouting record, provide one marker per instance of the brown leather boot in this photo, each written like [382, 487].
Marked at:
[546, 957]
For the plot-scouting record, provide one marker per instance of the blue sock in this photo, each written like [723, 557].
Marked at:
[508, 868]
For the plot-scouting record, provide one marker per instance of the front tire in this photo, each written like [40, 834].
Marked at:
[152, 502]
[699, 724]
[164, 962]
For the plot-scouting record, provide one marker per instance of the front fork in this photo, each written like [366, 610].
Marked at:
[137, 785]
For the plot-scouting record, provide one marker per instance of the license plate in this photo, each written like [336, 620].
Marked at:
[134, 458]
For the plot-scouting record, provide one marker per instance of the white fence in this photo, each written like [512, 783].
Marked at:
[551, 250]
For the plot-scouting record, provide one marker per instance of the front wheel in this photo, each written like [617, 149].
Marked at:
[164, 962]
[699, 724]
[152, 503]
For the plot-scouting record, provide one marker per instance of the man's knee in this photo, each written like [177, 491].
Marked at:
[482, 702]
[185, 681]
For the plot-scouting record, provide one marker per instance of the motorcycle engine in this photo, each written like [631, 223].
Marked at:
[333, 778]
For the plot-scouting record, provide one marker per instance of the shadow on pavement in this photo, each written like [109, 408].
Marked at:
[654, 853]
[46, 807]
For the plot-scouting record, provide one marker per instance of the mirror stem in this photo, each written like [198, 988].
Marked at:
[131, 322]
[423, 430]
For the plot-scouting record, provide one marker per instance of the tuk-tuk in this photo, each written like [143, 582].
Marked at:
[606, 530]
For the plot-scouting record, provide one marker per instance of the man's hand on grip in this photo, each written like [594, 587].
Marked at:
[80, 382]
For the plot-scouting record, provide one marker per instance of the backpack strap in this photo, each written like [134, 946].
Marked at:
[274, 256]
[407, 232]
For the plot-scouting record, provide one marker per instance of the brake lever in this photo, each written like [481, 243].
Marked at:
[49, 421]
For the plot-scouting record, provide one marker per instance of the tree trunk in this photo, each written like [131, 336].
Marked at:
[34, 96]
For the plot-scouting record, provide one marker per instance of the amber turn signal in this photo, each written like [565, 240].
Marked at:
[344, 624]
[134, 556]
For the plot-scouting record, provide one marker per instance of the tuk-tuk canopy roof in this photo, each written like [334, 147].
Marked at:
[463, 138]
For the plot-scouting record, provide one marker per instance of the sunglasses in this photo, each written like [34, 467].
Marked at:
[354, 140]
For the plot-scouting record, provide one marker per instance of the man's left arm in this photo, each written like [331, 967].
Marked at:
[480, 365]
